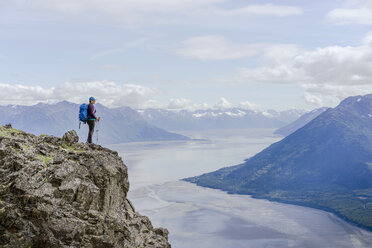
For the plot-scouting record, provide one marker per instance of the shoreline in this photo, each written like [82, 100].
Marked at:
[325, 209]
[296, 203]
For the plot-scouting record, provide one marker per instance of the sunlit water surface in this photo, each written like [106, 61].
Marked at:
[201, 217]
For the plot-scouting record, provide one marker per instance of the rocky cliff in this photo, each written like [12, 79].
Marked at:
[57, 192]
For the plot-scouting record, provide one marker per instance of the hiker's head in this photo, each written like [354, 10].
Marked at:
[92, 100]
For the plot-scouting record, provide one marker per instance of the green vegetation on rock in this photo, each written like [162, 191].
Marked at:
[45, 159]
[70, 148]
[26, 147]
[67, 147]
[8, 131]
[78, 200]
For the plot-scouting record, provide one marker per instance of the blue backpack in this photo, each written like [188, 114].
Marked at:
[83, 113]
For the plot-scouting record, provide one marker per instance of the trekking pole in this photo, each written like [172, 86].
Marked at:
[97, 131]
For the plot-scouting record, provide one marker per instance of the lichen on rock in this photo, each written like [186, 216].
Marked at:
[70, 137]
[57, 192]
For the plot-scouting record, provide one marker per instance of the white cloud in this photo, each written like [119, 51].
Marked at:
[122, 7]
[249, 106]
[185, 104]
[223, 104]
[263, 9]
[317, 94]
[166, 6]
[154, 11]
[108, 93]
[276, 74]
[354, 12]
[179, 103]
[361, 16]
[327, 74]
[216, 47]
[278, 53]
[18, 94]
[313, 99]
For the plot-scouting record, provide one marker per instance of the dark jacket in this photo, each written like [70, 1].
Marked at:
[91, 111]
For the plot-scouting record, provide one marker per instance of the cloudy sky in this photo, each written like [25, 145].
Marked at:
[186, 53]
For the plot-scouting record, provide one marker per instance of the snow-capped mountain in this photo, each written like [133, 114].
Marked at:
[222, 118]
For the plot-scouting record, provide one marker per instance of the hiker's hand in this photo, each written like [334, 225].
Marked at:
[99, 118]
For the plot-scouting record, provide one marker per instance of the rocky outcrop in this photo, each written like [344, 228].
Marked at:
[60, 193]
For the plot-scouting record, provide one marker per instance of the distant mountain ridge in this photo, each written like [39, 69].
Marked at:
[117, 125]
[300, 122]
[326, 164]
[222, 118]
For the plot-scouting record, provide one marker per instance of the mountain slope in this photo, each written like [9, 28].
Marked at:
[325, 164]
[300, 122]
[116, 126]
[232, 118]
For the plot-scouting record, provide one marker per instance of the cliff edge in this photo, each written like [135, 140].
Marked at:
[57, 192]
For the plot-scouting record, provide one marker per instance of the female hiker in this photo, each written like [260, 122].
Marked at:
[91, 118]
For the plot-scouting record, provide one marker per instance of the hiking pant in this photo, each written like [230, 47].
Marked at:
[91, 124]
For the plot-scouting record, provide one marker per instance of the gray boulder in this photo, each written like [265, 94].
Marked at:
[60, 193]
[70, 137]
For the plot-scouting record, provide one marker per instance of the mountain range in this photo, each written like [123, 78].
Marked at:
[326, 164]
[222, 118]
[117, 125]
